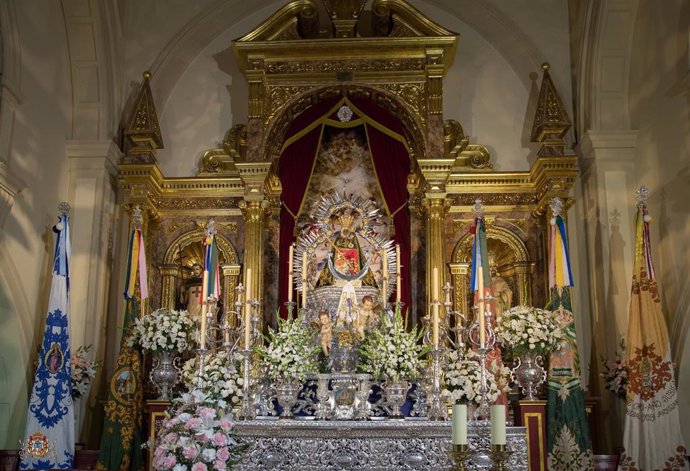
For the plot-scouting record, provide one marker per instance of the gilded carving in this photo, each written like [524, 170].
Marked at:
[339, 65]
[495, 199]
[182, 204]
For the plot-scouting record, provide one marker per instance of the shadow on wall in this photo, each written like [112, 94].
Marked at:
[13, 375]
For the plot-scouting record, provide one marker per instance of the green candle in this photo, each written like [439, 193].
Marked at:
[459, 424]
[498, 424]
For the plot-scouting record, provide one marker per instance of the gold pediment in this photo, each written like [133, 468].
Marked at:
[307, 30]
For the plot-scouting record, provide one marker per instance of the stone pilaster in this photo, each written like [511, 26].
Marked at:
[92, 196]
[607, 209]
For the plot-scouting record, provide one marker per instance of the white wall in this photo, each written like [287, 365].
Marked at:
[37, 156]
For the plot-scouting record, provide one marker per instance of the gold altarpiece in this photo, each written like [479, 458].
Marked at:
[396, 58]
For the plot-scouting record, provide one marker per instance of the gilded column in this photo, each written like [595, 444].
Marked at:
[254, 213]
[435, 237]
[523, 275]
[230, 276]
[170, 276]
[461, 283]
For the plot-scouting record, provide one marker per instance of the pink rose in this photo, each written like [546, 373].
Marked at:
[226, 424]
[223, 454]
[206, 412]
[218, 464]
[189, 452]
[171, 437]
[199, 467]
[158, 452]
[169, 461]
[219, 439]
[193, 423]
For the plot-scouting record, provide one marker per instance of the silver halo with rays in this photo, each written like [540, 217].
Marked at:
[320, 231]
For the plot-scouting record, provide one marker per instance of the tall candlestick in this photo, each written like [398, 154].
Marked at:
[248, 311]
[498, 424]
[482, 329]
[434, 308]
[384, 275]
[290, 268]
[459, 429]
[204, 310]
[305, 265]
[398, 278]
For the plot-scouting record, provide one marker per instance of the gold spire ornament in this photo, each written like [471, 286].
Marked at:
[142, 130]
[551, 120]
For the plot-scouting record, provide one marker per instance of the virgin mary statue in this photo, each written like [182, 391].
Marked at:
[346, 262]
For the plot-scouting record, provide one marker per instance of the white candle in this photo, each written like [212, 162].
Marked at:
[305, 264]
[290, 268]
[482, 329]
[204, 310]
[434, 309]
[498, 424]
[459, 424]
[248, 310]
[398, 280]
[384, 274]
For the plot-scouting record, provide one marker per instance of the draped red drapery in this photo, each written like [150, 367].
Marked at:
[391, 161]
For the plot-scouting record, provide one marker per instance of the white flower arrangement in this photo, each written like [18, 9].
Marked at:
[391, 352]
[292, 351]
[525, 329]
[83, 370]
[463, 377]
[164, 330]
[196, 435]
[221, 379]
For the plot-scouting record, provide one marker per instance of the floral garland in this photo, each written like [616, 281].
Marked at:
[196, 435]
[463, 377]
[391, 352]
[292, 351]
[616, 373]
[164, 330]
[529, 329]
[221, 379]
[83, 370]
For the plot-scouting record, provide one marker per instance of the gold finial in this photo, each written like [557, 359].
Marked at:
[545, 66]
[147, 74]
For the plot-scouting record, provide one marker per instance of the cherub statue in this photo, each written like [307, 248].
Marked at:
[325, 332]
[366, 316]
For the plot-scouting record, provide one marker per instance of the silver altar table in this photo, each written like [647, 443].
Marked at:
[387, 445]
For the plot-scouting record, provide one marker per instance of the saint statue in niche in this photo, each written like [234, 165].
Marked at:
[501, 292]
[190, 293]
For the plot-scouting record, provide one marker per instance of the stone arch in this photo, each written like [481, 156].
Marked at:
[604, 68]
[276, 129]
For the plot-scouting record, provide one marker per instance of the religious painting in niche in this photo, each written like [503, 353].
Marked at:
[344, 166]
[191, 259]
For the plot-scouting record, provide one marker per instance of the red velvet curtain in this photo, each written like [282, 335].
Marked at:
[392, 166]
[391, 163]
[294, 169]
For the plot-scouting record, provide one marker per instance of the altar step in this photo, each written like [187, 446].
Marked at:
[83, 460]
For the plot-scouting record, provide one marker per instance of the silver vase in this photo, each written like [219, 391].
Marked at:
[396, 393]
[287, 392]
[529, 374]
[165, 373]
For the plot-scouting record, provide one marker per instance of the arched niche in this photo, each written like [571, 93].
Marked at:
[507, 253]
[187, 250]
[285, 110]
